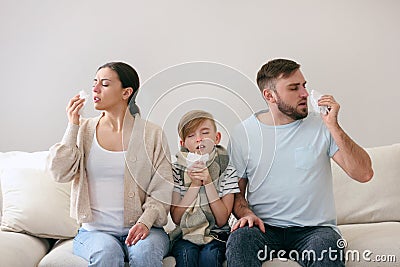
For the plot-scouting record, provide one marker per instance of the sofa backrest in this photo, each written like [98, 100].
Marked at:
[1, 201]
[21, 159]
[375, 201]
[32, 202]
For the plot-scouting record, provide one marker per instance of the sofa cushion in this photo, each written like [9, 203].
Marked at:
[280, 263]
[372, 244]
[20, 250]
[34, 203]
[21, 159]
[375, 201]
[61, 256]
[1, 202]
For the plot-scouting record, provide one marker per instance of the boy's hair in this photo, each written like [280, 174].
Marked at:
[192, 120]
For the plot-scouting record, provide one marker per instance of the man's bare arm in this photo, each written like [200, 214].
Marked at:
[242, 211]
[353, 159]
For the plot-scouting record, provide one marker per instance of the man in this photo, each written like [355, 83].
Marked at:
[283, 158]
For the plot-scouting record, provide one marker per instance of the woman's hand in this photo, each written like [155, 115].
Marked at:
[138, 232]
[73, 107]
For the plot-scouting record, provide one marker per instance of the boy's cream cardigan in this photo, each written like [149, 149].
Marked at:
[148, 181]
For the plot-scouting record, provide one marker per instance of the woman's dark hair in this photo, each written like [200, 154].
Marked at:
[127, 75]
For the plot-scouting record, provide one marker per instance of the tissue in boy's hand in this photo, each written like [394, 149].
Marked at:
[193, 157]
[83, 95]
[315, 96]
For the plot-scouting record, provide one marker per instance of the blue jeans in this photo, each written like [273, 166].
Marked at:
[309, 246]
[188, 254]
[102, 249]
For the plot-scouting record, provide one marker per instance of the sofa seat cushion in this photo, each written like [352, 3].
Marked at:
[280, 263]
[374, 240]
[61, 256]
[21, 250]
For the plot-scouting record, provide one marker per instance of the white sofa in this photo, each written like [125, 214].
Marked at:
[36, 229]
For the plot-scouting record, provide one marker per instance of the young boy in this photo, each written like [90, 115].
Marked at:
[203, 194]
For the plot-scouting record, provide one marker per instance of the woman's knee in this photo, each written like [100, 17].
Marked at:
[151, 250]
[99, 249]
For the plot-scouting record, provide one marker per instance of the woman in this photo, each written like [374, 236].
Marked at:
[121, 176]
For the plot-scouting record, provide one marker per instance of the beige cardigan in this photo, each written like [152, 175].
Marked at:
[148, 178]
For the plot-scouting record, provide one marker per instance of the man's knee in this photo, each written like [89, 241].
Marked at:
[246, 240]
[323, 248]
[244, 234]
[244, 245]
[325, 238]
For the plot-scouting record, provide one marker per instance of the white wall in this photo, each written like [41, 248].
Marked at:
[50, 50]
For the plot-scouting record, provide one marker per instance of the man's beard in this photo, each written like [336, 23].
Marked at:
[291, 111]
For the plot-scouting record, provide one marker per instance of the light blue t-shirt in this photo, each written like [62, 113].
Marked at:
[288, 170]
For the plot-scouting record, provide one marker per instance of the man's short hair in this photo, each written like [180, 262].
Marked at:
[274, 69]
[192, 120]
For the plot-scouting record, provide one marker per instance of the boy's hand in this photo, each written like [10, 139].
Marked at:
[195, 181]
[199, 174]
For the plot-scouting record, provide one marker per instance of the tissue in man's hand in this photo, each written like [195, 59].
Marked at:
[315, 96]
[193, 157]
[83, 95]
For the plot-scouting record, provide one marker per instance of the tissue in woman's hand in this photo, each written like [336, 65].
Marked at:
[315, 96]
[193, 157]
[83, 95]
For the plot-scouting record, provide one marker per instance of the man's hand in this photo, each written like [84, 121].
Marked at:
[138, 232]
[249, 220]
[330, 119]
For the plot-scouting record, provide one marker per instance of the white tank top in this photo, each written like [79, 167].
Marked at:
[105, 171]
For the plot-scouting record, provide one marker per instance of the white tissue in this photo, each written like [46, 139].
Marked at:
[315, 96]
[193, 157]
[83, 95]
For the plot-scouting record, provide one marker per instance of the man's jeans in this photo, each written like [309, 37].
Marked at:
[101, 249]
[188, 254]
[309, 246]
